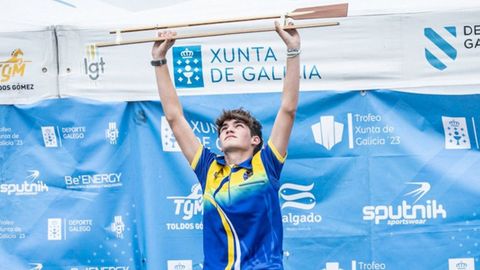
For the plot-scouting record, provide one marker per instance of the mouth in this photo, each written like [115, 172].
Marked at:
[228, 137]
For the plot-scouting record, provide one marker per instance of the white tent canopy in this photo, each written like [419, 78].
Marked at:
[379, 45]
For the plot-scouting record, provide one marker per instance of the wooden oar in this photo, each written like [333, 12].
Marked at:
[212, 34]
[317, 12]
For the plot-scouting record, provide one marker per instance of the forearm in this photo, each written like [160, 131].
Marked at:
[291, 85]
[168, 96]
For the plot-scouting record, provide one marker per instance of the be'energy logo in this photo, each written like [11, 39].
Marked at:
[406, 213]
[187, 66]
[439, 51]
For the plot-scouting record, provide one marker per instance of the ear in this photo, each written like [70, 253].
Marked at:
[255, 140]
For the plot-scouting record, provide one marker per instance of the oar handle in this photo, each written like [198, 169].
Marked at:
[218, 33]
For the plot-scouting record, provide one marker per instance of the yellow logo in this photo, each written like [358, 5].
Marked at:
[14, 66]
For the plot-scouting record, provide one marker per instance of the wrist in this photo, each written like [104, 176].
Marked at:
[293, 52]
[158, 62]
[156, 56]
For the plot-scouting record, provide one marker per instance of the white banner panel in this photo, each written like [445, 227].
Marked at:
[28, 66]
[423, 52]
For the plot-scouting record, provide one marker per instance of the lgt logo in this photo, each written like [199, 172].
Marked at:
[112, 133]
[94, 66]
[118, 227]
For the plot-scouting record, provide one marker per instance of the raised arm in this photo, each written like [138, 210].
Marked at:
[286, 114]
[170, 102]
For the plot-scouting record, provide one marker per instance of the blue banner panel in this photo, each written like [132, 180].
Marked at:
[373, 180]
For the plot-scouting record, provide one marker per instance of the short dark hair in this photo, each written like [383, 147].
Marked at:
[245, 117]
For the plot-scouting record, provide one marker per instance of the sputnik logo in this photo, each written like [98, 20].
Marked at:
[423, 188]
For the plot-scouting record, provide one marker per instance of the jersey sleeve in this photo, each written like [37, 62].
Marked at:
[273, 162]
[201, 162]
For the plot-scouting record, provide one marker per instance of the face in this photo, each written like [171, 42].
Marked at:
[235, 135]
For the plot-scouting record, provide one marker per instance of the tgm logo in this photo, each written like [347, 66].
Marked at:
[94, 66]
[169, 143]
[118, 227]
[187, 66]
[456, 133]
[30, 186]
[327, 132]
[461, 264]
[13, 66]
[406, 213]
[299, 197]
[439, 52]
[190, 205]
[179, 265]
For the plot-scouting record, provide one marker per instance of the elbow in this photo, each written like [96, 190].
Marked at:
[289, 110]
[173, 116]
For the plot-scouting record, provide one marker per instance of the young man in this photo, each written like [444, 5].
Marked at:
[242, 219]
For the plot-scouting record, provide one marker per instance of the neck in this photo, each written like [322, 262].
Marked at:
[237, 157]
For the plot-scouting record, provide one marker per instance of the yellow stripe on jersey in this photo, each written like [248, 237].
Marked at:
[228, 230]
[196, 158]
[276, 153]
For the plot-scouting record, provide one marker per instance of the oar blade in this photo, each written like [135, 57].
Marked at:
[318, 12]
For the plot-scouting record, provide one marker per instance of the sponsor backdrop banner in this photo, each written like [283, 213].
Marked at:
[373, 180]
[412, 52]
[28, 65]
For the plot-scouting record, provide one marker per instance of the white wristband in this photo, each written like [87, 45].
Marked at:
[293, 52]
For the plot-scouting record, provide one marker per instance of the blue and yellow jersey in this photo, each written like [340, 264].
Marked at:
[242, 223]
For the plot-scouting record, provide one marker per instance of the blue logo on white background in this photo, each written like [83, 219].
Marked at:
[440, 51]
[187, 66]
